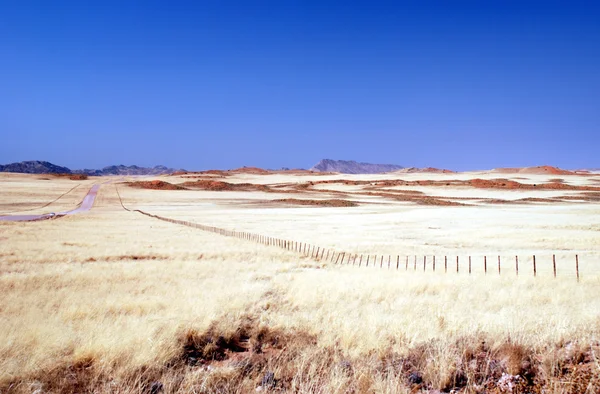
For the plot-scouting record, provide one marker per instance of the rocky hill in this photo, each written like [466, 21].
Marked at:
[353, 167]
[44, 167]
[34, 167]
[127, 170]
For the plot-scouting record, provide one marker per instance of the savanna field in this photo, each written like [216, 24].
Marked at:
[115, 301]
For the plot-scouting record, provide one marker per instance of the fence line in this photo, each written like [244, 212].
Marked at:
[338, 257]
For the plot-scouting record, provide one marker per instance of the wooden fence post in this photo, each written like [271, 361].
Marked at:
[368, 256]
[554, 264]
[360, 261]
[485, 265]
[577, 266]
[406, 263]
[534, 267]
[322, 253]
[498, 265]
[434, 263]
[469, 265]
[389, 258]
[517, 264]
[415, 262]
[424, 262]
[398, 263]
[445, 264]
[457, 264]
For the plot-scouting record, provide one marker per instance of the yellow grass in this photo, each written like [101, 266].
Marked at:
[110, 297]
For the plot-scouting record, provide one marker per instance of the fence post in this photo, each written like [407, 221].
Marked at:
[415, 262]
[577, 266]
[445, 264]
[434, 263]
[322, 253]
[554, 264]
[360, 261]
[534, 267]
[498, 265]
[517, 264]
[368, 256]
[398, 263]
[469, 265]
[485, 265]
[406, 263]
[381, 262]
[389, 258]
[424, 262]
[457, 264]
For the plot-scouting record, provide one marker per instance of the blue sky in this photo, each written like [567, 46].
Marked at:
[222, 84]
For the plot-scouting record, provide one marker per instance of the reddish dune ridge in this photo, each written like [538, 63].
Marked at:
[155, 185]
[539, 170]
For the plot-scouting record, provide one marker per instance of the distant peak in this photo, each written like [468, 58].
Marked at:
[353, 167]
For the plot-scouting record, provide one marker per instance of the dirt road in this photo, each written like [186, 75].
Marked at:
[86, 205]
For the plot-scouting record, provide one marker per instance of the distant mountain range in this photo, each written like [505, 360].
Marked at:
[34, 167]
[353, 167]
[44, 167]
[128, 170]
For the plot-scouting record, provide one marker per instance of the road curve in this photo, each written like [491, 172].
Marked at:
[86, 204]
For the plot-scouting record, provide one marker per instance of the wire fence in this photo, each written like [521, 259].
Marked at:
[500, 265]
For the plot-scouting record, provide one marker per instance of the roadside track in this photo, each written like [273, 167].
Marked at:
[48, 203]
[86, 204]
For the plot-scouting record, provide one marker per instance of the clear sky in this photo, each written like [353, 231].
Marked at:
[222, 84]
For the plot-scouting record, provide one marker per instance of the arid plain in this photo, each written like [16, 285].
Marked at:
[116, 301]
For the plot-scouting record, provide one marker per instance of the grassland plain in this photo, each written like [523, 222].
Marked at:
[114, 301]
